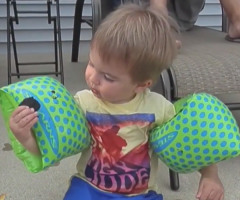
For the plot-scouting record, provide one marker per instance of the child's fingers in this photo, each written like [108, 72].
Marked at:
[29, 120]
[18, 110]
[217, 196]
[199, 193]
[22, 113]
[32, 122]
[214, 196]
[203, 193]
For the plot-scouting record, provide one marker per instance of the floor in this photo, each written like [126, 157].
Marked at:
[19, 184]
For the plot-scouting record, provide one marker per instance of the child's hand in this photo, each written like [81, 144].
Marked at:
[210, 186]
[21, 122]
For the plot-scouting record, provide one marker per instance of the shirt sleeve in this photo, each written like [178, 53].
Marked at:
[80, 98]
[162, 108]
[169, 111]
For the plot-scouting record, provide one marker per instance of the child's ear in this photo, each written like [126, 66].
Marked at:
[142, 86]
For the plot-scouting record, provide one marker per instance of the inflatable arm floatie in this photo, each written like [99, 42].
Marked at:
[202, 132]
[61, 130]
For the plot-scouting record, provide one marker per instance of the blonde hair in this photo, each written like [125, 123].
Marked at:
[140, 37]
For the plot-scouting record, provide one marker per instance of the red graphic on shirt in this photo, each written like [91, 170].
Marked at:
[113, 166]
[108, 142]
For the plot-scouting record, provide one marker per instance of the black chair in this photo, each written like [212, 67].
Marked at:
[14, 19]
[205, 63]
[100, 8]
[78, 20]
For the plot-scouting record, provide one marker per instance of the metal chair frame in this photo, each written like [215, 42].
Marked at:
[100, 8]
[78, 20]
[58, 60]
[170, 89]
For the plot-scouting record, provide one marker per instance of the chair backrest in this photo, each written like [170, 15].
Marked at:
[101, 8]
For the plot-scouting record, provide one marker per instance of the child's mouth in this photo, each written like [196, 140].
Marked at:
[95, 92]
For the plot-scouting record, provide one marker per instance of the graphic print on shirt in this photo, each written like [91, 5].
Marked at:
[112, 166]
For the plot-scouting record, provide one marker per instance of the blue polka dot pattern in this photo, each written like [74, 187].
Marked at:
[206, 133]
[61, 130]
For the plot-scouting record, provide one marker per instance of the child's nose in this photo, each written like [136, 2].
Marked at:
[95, 79]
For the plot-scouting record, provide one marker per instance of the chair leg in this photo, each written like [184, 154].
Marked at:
[9, 43]
[14, 46]
[167, 84]
[54, 20]
[59, 41]
[77, 29]
[55, 45]
[174, 180]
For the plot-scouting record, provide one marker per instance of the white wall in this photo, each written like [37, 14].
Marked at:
[211, 15]
[33, 34]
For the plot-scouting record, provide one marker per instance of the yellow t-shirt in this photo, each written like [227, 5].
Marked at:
[120, 159]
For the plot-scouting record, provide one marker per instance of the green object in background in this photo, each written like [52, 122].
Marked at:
[61, 130]
[202, 132]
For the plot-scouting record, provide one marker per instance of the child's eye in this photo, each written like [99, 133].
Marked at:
[108, 78]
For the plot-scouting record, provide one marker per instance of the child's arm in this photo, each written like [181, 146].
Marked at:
[21, 122]
[210, 185]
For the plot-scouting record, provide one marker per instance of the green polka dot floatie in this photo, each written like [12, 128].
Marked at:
[61, 130]
[202, 132]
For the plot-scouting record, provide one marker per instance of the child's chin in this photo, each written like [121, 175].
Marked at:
[97, 95]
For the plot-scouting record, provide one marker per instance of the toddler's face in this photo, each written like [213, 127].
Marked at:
[109, 82]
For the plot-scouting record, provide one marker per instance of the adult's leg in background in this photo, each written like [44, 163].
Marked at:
[185, 12]
[232, 10]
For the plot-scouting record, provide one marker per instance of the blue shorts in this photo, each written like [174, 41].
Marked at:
[81, 190]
